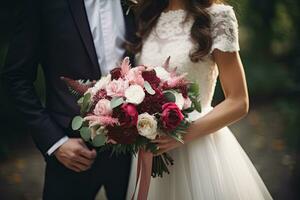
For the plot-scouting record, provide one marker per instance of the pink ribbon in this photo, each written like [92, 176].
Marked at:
[144, 170]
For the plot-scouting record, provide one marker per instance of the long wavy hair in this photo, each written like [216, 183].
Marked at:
[147, 13]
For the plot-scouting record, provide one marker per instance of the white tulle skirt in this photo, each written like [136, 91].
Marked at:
[214, 167]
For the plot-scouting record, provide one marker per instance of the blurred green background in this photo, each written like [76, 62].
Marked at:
[269, 38]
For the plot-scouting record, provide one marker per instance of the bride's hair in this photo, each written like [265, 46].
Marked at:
[147, 14]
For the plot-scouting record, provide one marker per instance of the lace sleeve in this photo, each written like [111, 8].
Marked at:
[224, 28]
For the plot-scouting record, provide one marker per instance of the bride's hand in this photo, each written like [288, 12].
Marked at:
[166, 143]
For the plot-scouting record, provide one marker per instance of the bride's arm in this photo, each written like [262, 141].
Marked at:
[236, 103]
[233, 108]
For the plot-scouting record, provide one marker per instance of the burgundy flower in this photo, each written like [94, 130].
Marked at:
[151, 77]
[171, 116]
[127, 115]
[122, 135]
[153, 103]
[101, 94]
[116, 73]
[184, 90]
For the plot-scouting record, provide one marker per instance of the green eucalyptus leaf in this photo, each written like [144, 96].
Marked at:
[169, 95]
[80, 101]
[86, 104]
[87, 98]
[99, 140]
[148, 88]
[115, 102]
[85, 133]
[77, 123]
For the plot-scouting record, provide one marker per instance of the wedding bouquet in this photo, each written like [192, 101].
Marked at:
[128, 108]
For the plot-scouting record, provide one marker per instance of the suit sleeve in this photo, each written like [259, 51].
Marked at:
[19, 74]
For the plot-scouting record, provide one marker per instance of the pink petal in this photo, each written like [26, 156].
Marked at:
[125, 66]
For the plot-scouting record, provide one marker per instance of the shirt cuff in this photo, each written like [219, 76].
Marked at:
[57, 145]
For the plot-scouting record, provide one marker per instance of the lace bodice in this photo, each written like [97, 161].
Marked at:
[171, 37]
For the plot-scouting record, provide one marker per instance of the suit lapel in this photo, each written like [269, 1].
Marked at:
[80, 17]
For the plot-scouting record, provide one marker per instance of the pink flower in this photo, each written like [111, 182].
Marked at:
[187, 103]
[116, 88]
[101, 120]
[134, 76]
[176, 81]
[125, 66]
[103, 108]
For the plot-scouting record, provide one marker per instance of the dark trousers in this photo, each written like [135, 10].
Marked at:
[112, 172]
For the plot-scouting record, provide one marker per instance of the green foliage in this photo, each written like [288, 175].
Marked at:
[148, 88]
[169, 95]
[77, 123]
[115, 102]
[99, 140]
[180, 131]
[86, 103]
[85, 133]
[193, 89]
[193, 93]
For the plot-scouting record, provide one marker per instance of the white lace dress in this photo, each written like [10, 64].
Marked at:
[214, 167]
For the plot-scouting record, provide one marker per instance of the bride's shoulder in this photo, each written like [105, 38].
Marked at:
[224, 28]
[220, 9]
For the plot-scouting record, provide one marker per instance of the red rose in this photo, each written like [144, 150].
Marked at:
[127, 115]
[116, 73]
[122, 135]
[171, 116]
[151, 77]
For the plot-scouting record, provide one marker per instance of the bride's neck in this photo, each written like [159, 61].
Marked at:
[176, 5]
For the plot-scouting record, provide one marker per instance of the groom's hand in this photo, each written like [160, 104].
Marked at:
[75, 155]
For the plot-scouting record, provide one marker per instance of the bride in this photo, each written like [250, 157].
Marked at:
[201, 36]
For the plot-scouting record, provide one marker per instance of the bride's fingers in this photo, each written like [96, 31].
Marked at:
[161, 140]
[163, 146]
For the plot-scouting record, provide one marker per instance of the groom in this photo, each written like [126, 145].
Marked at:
[79, 39]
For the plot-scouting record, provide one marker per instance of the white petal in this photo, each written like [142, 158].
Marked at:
[162, 73]
[179, 100]
[134, 94]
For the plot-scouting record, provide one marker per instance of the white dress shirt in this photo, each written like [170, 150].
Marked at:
[107, 26]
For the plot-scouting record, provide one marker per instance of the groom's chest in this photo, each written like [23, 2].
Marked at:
[66, 30]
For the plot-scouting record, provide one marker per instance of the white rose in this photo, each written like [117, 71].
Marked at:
[147, 126]
[162, 73]
[134, 94]
[179, 100]
[101, 84]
